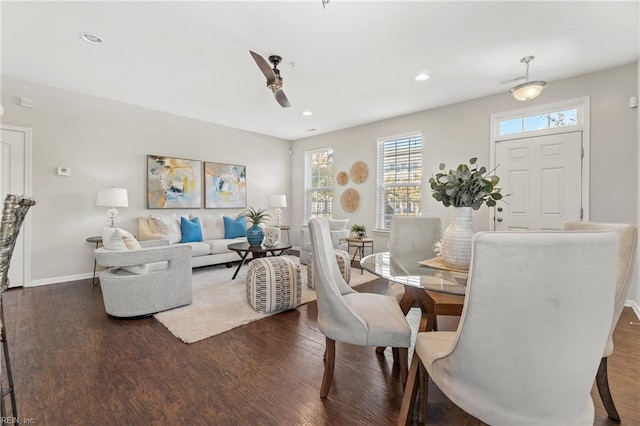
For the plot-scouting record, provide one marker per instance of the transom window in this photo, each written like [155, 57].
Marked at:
[318, 183]
[399, 178]
[534, 122]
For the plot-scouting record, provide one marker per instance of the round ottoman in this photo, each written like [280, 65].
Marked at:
[273, 284]
[344, 265]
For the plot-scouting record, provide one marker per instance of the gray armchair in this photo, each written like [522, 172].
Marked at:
[166, 285]
[338, 241]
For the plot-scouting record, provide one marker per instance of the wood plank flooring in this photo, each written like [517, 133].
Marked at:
[75, 365]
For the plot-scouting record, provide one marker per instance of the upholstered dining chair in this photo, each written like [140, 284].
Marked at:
[14, 212]
[534, 325]
[627, 236]
[346, 316]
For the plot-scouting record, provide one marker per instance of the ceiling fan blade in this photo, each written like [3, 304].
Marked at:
[282, 99]
[264, 67]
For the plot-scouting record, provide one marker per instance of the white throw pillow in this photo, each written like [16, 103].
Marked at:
[336, 225]
[168, 226]
[120, 240]
[212, 226]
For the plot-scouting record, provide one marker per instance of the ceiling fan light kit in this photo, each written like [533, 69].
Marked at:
[529, 89]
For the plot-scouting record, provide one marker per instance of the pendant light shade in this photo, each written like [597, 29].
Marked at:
[530, 89]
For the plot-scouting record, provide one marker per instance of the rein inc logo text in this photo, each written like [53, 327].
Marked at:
[17, 421]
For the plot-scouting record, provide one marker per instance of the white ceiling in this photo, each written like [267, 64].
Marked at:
[355, 61]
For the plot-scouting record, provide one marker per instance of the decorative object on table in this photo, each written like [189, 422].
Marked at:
[278, 202]
[112, 197]
[271, 237]
[173, 183]
[225, 185]
[360, 231]
[342, 178]
[350, 200]
[359, 171]
[529, 89]
[255, 234]
[465, 188]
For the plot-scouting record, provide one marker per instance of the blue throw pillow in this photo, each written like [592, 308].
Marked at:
[234, 228]
[191, 230]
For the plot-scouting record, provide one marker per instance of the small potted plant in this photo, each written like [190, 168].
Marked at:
[255, 233]
[360, 231]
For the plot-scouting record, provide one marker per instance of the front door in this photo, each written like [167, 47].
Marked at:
[13, 180]
[543, 177]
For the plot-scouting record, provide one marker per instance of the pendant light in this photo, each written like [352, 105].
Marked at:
[530, 89]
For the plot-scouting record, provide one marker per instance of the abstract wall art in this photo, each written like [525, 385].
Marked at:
[225, 185]
[173, 183]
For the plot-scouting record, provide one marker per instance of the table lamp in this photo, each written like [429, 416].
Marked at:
[278, 202]
[112, 197]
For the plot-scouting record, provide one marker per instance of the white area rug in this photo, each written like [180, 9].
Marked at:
[220, 303]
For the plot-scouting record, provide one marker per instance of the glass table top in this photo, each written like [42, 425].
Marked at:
[410, 273]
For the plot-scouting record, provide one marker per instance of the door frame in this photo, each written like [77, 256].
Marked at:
[26, 225]
[582, 104]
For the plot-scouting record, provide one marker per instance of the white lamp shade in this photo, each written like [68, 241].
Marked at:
[112, 197]
[279, 201]
[529, 90]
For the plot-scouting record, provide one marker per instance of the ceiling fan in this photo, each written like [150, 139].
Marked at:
[274, 81]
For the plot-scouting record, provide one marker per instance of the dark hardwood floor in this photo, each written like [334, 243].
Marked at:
[75, 365]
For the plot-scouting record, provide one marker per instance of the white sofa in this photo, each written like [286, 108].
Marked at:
[339, 234]
[212, 250]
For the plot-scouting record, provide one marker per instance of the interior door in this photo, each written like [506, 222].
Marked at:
[543, 177]
[12, 181]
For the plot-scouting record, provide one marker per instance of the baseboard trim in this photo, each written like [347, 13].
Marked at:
[58, 280]
[635, 306]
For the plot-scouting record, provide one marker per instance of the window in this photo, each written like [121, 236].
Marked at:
[318, 183]
[399, 179]
[542, 121]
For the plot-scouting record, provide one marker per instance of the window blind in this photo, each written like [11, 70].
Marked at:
[318, 183]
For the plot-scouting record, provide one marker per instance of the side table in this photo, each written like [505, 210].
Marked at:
[286, 228]
[359, 244]
[97, 241]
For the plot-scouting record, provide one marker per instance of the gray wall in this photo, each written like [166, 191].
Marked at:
[105, 144]
[455, 133]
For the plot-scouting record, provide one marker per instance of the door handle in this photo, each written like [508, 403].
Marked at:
[499, 209]
[499, 219]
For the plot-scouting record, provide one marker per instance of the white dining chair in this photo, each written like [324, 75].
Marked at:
[347, 316]
[627, 237]
[533, 329]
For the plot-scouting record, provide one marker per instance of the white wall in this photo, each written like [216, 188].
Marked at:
[105, 144]
[455, 133]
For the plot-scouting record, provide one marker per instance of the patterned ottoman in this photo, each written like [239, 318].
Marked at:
[273, 284]
[344, 265]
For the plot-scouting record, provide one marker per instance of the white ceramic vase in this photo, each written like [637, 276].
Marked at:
[456, 241]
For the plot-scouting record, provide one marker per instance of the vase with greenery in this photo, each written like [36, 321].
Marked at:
[465, 188]
[360, 231]
[255, 233]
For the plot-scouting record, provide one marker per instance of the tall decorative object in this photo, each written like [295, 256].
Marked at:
[278, 202]
[255, 234]
[456, 241]
[464, 189]
[112, 197]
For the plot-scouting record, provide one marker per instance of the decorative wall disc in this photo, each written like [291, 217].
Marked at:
[350, 200]
[342, 178]
[359, 171]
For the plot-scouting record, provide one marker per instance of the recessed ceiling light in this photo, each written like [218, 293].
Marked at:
[91, 38]
[307, 113]
[422, 76]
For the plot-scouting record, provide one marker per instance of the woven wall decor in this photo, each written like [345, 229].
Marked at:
[342, 178]
[350, 200]
[359, 171]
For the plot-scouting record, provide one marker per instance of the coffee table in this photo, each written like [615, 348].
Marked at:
[243, 250]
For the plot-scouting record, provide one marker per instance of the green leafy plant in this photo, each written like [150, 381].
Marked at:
[254, 216]
[466, 186]
[359, 230]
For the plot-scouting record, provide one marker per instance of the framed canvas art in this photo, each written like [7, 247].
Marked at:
[225, 185]
[173, 183]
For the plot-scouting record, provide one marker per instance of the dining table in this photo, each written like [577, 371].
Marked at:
[422, 279]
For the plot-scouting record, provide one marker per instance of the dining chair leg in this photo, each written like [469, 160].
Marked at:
[409, 396]
[602, 380]
[330, 358]
[5, 348]
[403, 360]
[423, 390]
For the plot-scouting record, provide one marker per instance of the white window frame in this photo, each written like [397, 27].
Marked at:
[308, 155]
[380, 185]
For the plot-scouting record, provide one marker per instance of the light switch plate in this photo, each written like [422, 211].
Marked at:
[64, 171]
